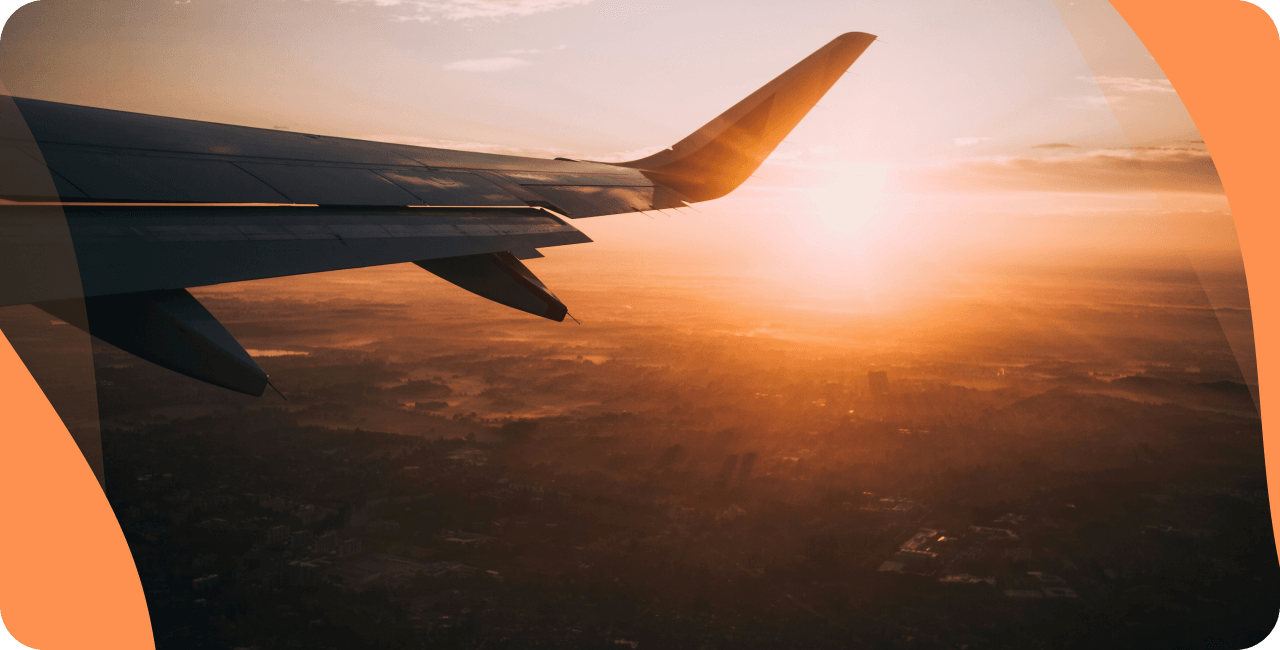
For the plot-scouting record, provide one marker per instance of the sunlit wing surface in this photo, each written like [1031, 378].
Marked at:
[154, 205]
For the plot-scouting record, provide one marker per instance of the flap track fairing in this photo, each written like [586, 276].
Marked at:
[502, 278]
[169, 328]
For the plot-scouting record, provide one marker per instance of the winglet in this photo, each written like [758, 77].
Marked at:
[718, 157]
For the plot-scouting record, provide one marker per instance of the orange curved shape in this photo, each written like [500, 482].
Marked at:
[1223, 57]
[67, 578]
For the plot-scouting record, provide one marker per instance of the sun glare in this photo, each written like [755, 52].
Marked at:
[845, 249]
[854, 199]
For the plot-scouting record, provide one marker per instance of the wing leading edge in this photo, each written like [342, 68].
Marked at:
[154, 205]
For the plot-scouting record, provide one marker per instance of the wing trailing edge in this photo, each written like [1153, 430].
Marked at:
[717, 158]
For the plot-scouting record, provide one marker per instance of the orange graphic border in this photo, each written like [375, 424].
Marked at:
[67, 579]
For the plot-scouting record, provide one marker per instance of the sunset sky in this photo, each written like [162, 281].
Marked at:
[971, 134]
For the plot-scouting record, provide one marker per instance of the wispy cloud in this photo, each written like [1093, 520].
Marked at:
[624, 10]
[1055, 145]
[1165, 169]
[970, 140]
[1091, 102]
[1132, 84]
[495, 64]
[432, 10]
[535, 50]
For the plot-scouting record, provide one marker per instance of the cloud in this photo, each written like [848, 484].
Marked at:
[1132, 84]
[496, 64]
[499, 63]
[622, 11]
[1092, 102]
[970, 140]
[1165, 169]
[431, 10]
[1055, 145]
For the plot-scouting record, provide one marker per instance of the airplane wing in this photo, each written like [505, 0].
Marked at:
[154, 205]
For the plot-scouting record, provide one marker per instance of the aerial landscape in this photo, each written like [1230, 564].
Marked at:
[445, 474]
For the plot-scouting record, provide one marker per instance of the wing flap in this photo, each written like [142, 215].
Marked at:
[127, 249]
